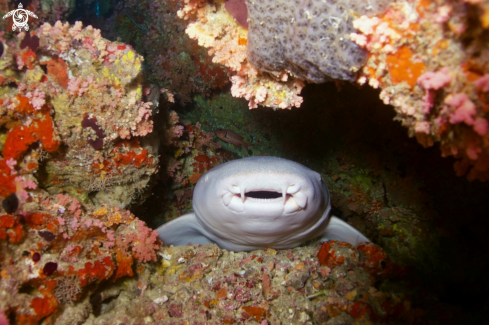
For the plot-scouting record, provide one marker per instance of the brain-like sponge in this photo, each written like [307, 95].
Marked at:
[309, 38]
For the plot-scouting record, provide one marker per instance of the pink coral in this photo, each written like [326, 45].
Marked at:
[480, 125]
[428, 101]
[173, 166]
[63, 199]
[435, 80]
[77, 86]
[422, 127]
[87, 222]
[74, 224]
[465, 108]
[21, 184]
[76, 31]
[75, 207]
[111, 239]
[376, 34]
[144, 112]
[143, 128]
[11, 162]
[37, 98]
[483, 83]
[3, 319]
[143, 241]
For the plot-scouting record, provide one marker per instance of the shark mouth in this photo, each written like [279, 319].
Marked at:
[290, 198]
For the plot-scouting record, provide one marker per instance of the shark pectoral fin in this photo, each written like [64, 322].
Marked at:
[339, 230]
[183, 230]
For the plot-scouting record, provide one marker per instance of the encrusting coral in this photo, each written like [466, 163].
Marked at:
[214, 28]
[431, 62]
[428, 57]
[93, 89]
[328, 284]
[71, 112]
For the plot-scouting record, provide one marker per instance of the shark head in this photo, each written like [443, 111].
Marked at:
[263, 202]
[259, 202]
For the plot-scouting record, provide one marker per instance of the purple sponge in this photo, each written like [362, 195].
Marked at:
[91, 122]
[238, 9]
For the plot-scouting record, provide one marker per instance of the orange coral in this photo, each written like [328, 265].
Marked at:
[9, 227]
[375, 257]
[24, 107]
[100, 212]
[21, 137]
[37, 219]
[124, 265]
[18, 141]
[360, 308]
[327, 256]
[98, 271]
[7, 185]
[7, 221]
[44, 130]
[256, 312]
[28, 57]
[44, 306]
[131, 158]
[16, 234]
[195, 178]
[323, 254]
[58, 69]
[403, 68]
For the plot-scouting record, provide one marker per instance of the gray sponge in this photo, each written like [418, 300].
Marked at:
[306, 37]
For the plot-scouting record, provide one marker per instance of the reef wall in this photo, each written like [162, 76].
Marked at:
[71, 112]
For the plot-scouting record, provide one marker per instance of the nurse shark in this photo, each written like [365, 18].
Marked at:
[259, 202]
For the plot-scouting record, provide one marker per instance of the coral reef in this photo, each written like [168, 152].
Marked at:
[71, 113]
[430, 58]
[176, 64]
[194, 153]
[214, 28]
[56, 251]
[330, 284]
[74, 156]
[93, 90]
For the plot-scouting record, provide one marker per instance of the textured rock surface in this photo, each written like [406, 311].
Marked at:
[308, 38]
[207, 285]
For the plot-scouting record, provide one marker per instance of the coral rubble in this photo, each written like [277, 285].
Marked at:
[307, 285]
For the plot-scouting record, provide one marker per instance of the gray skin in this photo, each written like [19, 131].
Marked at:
[228, 209]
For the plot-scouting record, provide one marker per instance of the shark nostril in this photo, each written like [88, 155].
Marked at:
[263, 194]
